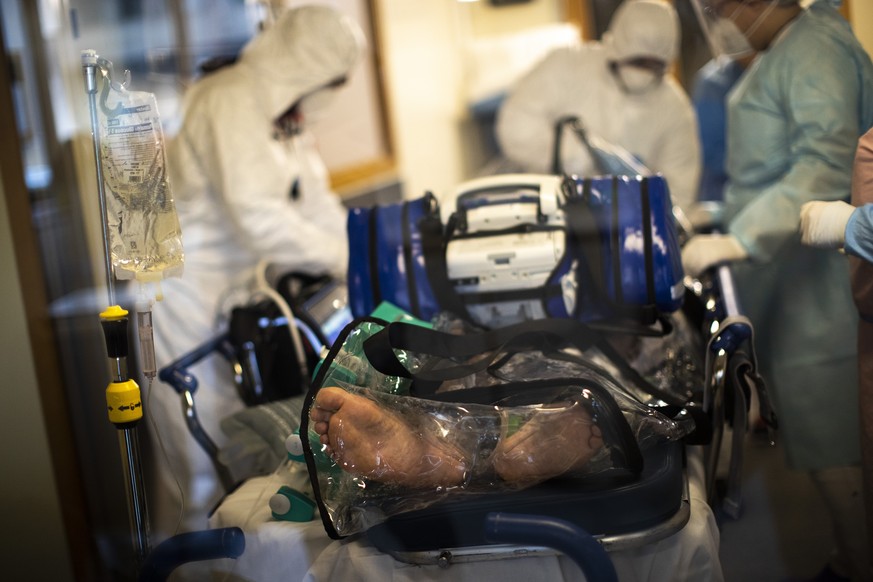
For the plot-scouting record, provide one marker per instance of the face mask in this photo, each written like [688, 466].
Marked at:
[637, 81]
[729, 40]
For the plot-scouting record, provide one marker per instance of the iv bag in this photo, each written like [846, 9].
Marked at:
[144, 236]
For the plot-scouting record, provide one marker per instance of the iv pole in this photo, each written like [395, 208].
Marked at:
[124, 404]
[123, 398]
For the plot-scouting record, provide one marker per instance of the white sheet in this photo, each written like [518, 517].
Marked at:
[294, 551]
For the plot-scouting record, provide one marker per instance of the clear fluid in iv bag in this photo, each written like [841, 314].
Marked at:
[145, 238]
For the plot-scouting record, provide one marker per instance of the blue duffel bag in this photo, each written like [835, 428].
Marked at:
[518, 247]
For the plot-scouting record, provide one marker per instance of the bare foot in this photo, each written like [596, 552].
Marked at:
[369, 441]
[551, 443]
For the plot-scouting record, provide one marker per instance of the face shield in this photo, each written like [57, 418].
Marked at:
[723, 35]
[718, 20]
[719, 23]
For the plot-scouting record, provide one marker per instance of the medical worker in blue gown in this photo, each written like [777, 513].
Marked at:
[833, 225]
[794, 121]
[249, 185]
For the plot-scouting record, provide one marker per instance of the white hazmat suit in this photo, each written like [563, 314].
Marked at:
[246, 190]
[656, 125]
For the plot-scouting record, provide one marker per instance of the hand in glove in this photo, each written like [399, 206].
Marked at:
[823, 224]
[705, 250]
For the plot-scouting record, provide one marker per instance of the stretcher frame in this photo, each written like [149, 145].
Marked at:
[730, 331]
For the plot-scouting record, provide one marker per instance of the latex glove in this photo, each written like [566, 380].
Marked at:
[705, 250]
[823, 224]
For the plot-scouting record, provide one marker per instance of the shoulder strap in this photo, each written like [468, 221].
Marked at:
[433, 245]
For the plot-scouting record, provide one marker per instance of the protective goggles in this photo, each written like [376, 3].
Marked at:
[651, 64]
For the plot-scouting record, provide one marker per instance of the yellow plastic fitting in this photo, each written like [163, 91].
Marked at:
[123, 402]
[114, 312]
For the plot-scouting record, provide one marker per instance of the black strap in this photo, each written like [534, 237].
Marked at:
[646, 219]
[557, 166]
[373, 241]
[433, 245]
[379, 348]
[524, 228]
[543, 293]
[583, 236]
[543, 334]
[615, 243]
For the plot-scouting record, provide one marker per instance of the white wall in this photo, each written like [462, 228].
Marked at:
[419, 40]
[861, 15]
[435, 146]
[423, 42]
[32, 540]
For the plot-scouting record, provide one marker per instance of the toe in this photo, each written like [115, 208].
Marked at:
[330, 399]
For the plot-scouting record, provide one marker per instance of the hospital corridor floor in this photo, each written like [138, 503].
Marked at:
[784, 532]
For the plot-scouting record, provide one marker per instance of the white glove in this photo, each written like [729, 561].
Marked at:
[823, 224]
[705, 250]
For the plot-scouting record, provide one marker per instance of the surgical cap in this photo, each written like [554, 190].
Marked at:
[307, 48]
[643, 28]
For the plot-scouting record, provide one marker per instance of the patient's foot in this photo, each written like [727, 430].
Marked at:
[369, 441]
[551, 443]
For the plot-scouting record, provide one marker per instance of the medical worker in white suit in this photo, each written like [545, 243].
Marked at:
[621, 91]
[249, 186]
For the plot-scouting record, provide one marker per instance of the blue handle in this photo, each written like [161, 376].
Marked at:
[229, 542]
[728, 291]
[731, 337]
[176, 373]
[558, 534]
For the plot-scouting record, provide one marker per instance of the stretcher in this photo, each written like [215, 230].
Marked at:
[677, 535]
[684, 543]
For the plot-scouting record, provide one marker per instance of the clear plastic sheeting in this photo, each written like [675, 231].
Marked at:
[145, 238]
[378, 450]
[672, 362]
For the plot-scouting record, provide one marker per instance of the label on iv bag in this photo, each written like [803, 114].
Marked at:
[144, 235]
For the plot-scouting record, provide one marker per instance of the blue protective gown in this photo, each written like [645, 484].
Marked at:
[859, 233]
[793, 123]
[709, 97]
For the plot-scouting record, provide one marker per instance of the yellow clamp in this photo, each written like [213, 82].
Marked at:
[114, 312]
[123, 402]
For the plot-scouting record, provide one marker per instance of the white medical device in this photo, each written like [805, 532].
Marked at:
[508, 236]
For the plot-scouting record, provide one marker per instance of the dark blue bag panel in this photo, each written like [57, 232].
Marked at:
[360, 280]
[386, 258]
[641, 259]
